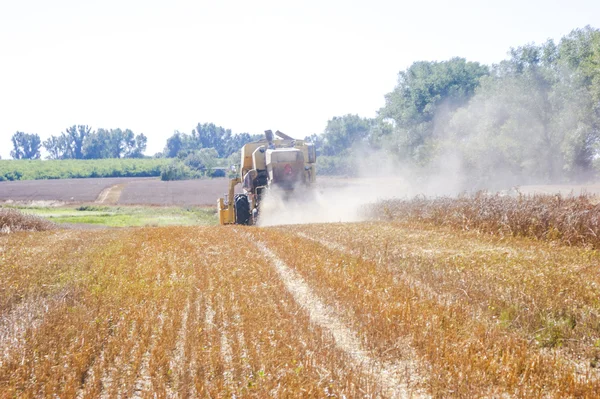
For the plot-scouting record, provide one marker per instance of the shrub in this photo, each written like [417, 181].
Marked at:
[13, 220]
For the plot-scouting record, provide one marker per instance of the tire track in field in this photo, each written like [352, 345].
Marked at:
[110, 195]
[225, 348]
[26, 316]
[238, 323]
[426, 289]
[177, 361]
[193, 338]
[583, 373]
[143, 383]
[101, 374]
[388, 375]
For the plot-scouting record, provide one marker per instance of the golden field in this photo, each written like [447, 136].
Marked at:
[401, 308]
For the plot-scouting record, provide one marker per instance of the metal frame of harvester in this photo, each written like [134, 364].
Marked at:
[271, 163]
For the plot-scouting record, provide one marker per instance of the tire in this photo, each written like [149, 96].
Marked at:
[242, 209]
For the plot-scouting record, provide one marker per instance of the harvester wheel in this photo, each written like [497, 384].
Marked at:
[242, 209]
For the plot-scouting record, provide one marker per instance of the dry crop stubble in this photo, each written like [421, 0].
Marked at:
[176, 312]
[524, 314]
[199, 312]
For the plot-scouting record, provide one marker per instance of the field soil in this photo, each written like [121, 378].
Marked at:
[204, 192]
[60, 190]
[116, 191]
[152, 191]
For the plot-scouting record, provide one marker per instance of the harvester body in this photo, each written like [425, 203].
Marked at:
[283, 163]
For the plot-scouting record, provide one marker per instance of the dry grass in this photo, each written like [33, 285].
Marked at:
[488, 316]
[13, 220]
[572, 220]
[165, 311]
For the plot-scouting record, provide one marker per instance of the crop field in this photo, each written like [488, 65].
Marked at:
[396, 308]
[475, 296]
[120, 191]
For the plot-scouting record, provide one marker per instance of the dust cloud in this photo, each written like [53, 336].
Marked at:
[504, 139]
[343, 199]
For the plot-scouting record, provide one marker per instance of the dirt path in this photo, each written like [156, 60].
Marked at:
[391, 376]
[110, 195]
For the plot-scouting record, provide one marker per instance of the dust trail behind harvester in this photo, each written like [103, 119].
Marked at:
[332, 200]
[339, 199]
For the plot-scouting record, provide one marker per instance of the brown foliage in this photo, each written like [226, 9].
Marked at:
[572, 220]
[13, 220]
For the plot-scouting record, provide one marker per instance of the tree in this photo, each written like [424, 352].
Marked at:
[428, 92]
[137, 148]
[343, 132]
[25, 146]
[207, 135]
[97, 145]
[57, 147]
[580, 50]
[534, 119]
[175, 143]
[74, 138]
[114, 143]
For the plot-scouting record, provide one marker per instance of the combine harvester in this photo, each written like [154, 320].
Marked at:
[270, 165]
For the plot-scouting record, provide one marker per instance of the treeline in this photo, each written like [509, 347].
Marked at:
[534, 117]
[196, 155]
[80, 142]
[205, 152]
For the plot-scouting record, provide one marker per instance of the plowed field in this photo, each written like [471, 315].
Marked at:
[326, 310]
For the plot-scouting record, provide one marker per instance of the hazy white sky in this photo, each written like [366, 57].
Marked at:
[157, 66]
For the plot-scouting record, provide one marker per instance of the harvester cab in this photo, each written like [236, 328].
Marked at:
[273, 163]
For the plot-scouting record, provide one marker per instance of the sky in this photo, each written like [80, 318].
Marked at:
[159, 66]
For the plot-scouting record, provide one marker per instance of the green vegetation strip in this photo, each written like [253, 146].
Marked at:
[80, 168]
[122, 216]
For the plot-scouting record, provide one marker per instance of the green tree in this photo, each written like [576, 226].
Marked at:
[176, 143]
[427, 92]
[580, 50]
[57, 147]
[207, 135]
[97, 145]
[114, 143]
[343, 132]
[138, 148]
[25, 146]
[533, 119]
[74, 137]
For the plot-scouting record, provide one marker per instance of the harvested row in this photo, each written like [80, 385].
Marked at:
[395, 377]
[471, 305]
[172, 312]
[547, 292]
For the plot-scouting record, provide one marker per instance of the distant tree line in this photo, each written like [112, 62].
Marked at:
[81, 142]
[207, 135]
[198, 153]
